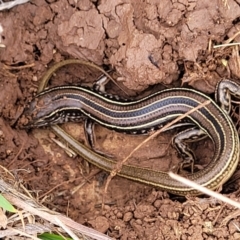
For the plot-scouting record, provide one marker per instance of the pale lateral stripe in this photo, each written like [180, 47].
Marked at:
[133, 109]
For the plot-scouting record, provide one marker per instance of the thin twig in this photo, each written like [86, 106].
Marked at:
[18, 67]
[120, 164]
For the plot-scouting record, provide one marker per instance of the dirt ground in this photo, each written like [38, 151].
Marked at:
[149, 45]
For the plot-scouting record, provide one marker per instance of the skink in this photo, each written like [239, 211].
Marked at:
[66, 103]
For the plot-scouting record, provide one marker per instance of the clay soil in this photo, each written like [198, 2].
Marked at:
[148, 45]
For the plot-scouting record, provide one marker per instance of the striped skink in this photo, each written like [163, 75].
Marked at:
[71, 103]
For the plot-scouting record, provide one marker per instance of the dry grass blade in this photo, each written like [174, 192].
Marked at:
[22, 233]
[30, 205]
[226, 45]
[228, 42]
[70, 233]
[11, 4]
[32, 229]
[204, 190]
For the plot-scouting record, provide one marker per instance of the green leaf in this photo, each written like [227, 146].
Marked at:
[51, 236]
[6, 205]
